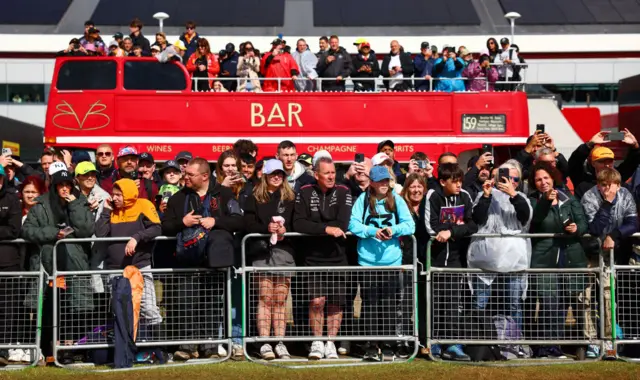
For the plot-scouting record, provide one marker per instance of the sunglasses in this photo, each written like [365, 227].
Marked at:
[104, 154]
[190, 28]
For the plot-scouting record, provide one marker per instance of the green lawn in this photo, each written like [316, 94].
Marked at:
[416, 370]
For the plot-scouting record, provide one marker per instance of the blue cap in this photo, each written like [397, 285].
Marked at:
[272, 166]
[80, 156]
[379, 173]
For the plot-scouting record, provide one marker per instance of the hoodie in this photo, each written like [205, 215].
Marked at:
[299, 177]
[374, 252]
[137, 219]
[10, 225]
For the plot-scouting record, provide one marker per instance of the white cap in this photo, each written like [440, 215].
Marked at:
[319, 154]
[380, 158]
[272, 166]
[56, 167]
[114, 43]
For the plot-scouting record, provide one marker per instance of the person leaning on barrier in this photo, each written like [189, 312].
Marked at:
[306, 61]
[508, 59]
[501, 210]
[334, 63]
[556, 212]
[397, 64]
[277, 63]
[379, 218]
[478, 73]
[423, 67]
[448, 217]
[126, 215]
[365, 65]
[447, 68]
[323, 210]
[270, 211]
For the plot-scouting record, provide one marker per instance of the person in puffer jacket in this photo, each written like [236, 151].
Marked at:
[379, 217]
[479, 73]
[445, 69]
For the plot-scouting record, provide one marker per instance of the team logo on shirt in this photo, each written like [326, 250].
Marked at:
[213, 204]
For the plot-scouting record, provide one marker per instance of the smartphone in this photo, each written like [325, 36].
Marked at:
[386, 232]
[165, 196]
[67, 231]
[503, 173]
[540, 128]
[422, 164]
[359, 158]
[615, 136]
[6, 152]
[487, 148]
[567, 222]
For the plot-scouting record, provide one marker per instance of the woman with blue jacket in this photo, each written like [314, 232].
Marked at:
[379, 217]
[448, 69]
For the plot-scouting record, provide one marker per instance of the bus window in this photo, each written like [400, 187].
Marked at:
[87, 75]
[153, 75]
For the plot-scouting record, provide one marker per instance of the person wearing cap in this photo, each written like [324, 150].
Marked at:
[365, 65]
[269, 210]
[147, 167]
[77, 157]
[118, 37]
[379, 218]
[115, 50]
[507, 58]
[190, 39]
[135, 27]
[388, 147]
[73, 50]
[336, 65]
[466, 56]
[93, 42]
[447, 68]
[86, 180]
[323, 210]
[307, 62]
[183, 159]
[127, 163]
[229, 66]
[203, 64]
[155, 50]
[278, 64]
[481, 76]
[397, 64]
[598, 157]
[423, 67]
[307, 161]
[172, 177]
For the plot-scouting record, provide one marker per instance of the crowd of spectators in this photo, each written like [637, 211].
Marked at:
[299, 69]
[123, 194]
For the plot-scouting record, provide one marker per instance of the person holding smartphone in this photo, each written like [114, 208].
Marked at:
[556, 212]
[379, 218]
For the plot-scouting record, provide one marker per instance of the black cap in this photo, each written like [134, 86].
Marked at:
[93, 30]
[222, 53]
[61, 176]
[386, 143]
[74, 41]
[171, 164]
[118, 35]
[230, 48]
[424, 45]
[89, 22]
[472, 161]
[184, 155]
[277, 41]
[146, 156]
[434, 48]
[504, 41]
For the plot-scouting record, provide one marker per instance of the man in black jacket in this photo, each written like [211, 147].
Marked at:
[335, 63]
[478, 172]
[324, 210]
[137, 38]
[185, 210]
[10, 261]
[535, 151]
[365, 65]
[397, 64]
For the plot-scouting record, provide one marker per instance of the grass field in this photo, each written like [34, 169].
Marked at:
[419, 369]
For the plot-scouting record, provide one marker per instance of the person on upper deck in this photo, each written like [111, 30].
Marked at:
[334, 63]
[279, 64]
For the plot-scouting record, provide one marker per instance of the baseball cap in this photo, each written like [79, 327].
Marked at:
[230, 48]
[80, 156]
[434, 48]
[379, 173]
[84, 168]
[171, 164]
[74, 41]
[179, 45]
[114, 43]
[424, 45]
[272, 166]
[155, 47]
[305, 158]
[93, 30]
[319, 154]
[504, 41]
[184, 155]
[127, 151]
[146, 156]
[360, 41]
[601, 153]
[380, 159]
[276, 41]
[464, 52]
[384, 143]
[118, 35]
[56, 167]
[61, 176]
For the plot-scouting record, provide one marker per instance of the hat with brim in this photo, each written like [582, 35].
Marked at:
[379, 173]
[84, 168]
[273, 166]
[602, 153]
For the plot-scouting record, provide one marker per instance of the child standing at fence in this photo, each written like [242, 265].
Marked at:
[379, 217]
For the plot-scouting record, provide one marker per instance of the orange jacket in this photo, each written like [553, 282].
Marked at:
[281, 66]
[213, 67]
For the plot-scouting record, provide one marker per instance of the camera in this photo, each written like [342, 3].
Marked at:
[76, 46]
[422, 164]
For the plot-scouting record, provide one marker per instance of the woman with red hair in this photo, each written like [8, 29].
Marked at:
[32, 187]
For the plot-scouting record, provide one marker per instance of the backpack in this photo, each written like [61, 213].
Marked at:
[192, 241]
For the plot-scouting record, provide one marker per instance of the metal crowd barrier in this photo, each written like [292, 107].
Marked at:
[378, 305]
[537, 306]
[625, 290]
[21, 296]
[179, 307]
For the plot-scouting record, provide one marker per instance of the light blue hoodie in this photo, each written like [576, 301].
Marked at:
[374, 252]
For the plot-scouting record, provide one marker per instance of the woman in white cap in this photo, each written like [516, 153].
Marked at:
[381, 159]
[270, 211]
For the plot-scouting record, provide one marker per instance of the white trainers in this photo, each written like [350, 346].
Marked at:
[26, 358]
[317, 351]
[237, 352]
[282, 352]
[344, 348]
[222, 352]
[330, 351]
[266, 352]
[16, 355]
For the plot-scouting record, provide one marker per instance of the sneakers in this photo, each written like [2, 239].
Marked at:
[15, 356]
[556, 352]
[317, 350]
[185, 355]
[402, 351]
[330, 351]
[266, 352]
[436, 350]
[593, 351]
[237, 352]
[344, 348]
[282, 352]
[215, 351]
[388, 355]
[455, 353]
[371, 352]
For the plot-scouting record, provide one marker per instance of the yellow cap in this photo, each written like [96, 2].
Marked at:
[180, 45]
[84, 168]
[601, 153]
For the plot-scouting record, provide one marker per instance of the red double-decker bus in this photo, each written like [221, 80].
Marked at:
[150, 105]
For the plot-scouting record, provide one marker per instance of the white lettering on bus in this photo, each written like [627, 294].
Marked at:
[159, 148]
[333, 148]
[276, 118]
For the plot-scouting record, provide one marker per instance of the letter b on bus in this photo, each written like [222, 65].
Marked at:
[276, 117]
